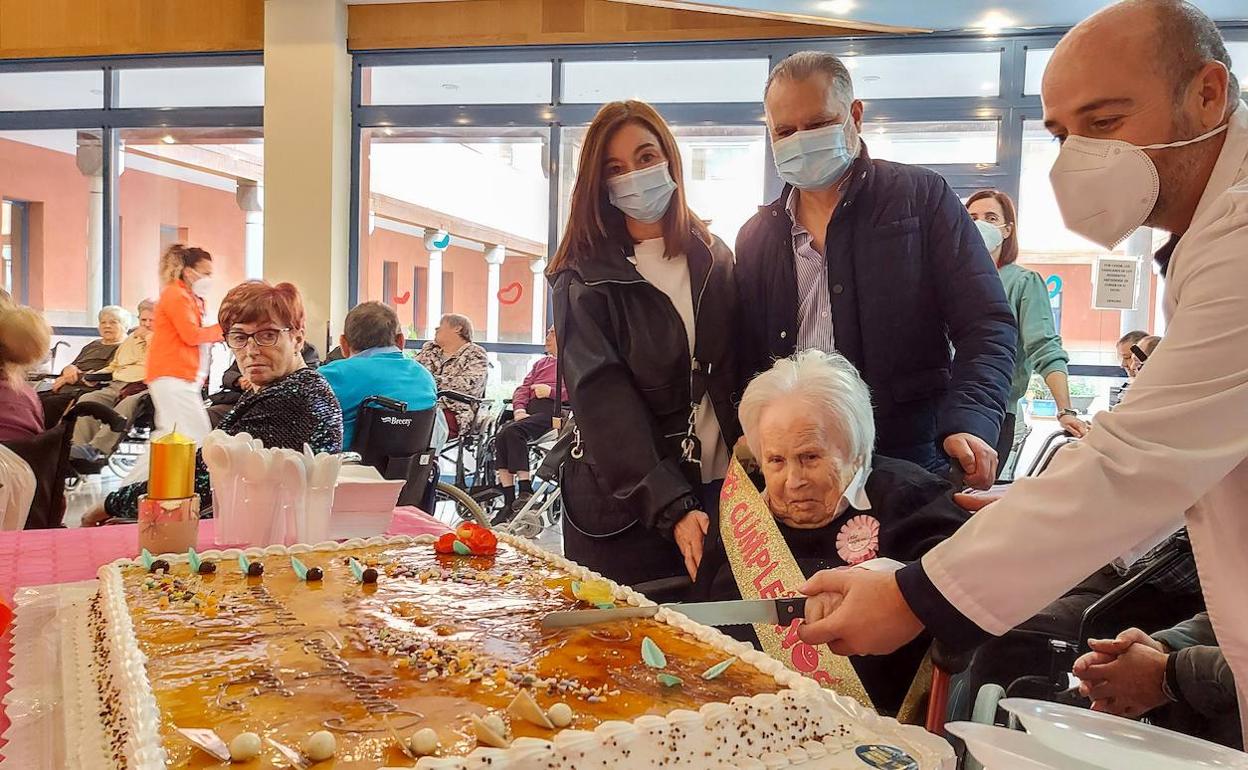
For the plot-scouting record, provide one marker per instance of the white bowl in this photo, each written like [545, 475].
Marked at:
[1115, 743]
[999, 748]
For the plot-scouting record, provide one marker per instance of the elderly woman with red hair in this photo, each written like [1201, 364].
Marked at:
[290, 405]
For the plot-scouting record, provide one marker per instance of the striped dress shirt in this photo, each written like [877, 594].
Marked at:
[814, 303]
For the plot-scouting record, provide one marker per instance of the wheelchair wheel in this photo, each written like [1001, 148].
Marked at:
[453, 506]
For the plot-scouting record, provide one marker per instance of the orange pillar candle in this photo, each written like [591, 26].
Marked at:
[172, 472]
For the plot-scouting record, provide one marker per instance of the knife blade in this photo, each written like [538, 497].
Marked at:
[733, 613]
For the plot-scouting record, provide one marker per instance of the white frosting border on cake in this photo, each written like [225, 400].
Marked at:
[713, 732]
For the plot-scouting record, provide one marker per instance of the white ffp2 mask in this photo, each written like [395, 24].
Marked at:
[1106, 188]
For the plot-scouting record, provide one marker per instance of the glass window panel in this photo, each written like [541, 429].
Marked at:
[1238, 49]
[1066, 261]
[1037, 60]
[52, 90]
[482, 197]
[53, 198]
[501, 83]
[972, 141]
[192, 87]
[718, 80]
[183, 185]
[924, 75]
[724, 167]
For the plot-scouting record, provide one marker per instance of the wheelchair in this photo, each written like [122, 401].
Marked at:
[399, 444]
[131, 443]
[47, 454]
[544, 509]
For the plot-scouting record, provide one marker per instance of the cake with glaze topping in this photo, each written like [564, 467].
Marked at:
[387, 653]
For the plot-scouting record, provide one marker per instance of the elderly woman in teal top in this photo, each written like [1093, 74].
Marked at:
[1039, 345]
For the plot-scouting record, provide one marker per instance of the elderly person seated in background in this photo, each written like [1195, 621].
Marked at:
[291, 404]
[809, 423]
[24, 339]
[93, 357]
[533, 408]
[93, 440]
[457, 364]
[375, 365]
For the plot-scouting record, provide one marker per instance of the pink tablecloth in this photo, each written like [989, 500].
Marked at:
[41, 557]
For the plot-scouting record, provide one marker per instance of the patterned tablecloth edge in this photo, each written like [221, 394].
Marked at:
[48, 624]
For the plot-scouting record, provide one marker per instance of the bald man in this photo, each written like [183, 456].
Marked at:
[1141, 91]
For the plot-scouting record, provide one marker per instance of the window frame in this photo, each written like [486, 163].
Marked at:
[110, 119]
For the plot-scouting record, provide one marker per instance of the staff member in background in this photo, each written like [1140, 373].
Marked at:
[177, 358]
[642, 295]
[879, 262]
[1039, 345]
[1150, 135]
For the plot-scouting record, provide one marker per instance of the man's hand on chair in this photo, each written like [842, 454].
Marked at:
[857, 612]
[978, 460]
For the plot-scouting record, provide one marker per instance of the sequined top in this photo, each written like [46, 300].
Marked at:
[297, 409]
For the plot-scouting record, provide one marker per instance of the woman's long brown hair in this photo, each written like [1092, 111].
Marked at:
[1009, 246]
[595, 226]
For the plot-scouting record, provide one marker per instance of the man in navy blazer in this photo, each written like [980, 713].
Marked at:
[880, 262]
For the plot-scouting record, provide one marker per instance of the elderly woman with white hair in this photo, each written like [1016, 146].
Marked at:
[457, 364]
[808, 421]
[94, 356]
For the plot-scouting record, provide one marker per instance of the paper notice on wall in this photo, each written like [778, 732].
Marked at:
[1115, 283]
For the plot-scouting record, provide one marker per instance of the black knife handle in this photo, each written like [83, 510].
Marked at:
[788, 610]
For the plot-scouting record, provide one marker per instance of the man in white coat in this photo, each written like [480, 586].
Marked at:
[1153, 132]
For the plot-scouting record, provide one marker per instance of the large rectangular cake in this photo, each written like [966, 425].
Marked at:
[387, 653]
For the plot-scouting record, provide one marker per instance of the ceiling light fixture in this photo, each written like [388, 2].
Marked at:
[168, 139]
[993, 22]
[837, 7]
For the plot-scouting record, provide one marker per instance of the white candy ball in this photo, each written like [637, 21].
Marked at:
[424, 742]
[496, 723]
[560, 715]
[244, 747]
[320, 746]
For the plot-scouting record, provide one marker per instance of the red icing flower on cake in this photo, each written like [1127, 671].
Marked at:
[479, 540]
[858, 540]
[445, 544]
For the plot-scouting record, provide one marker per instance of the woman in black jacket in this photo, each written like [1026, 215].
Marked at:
[643, 300]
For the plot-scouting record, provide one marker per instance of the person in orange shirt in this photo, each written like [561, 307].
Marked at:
[177, 357]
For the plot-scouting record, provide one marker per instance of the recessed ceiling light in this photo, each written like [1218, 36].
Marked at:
[451, 86]
[168, 139]
[838, 7]
[871, 79]
[993, 22]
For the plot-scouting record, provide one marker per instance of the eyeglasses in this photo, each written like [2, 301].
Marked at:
[265, 338]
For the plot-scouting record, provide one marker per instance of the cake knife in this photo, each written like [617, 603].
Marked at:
[735, 613]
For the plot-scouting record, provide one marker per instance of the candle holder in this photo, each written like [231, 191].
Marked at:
[168, 526]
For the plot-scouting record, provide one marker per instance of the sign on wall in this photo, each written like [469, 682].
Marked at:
[1115, 283]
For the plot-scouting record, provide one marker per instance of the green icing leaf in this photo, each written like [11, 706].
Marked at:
[299, 568]
[718, 669]
[243, 564]
[146, 557]
[652, 655]
[607, 606]
[461, 548]
[357, 570]
[193, 558]
[667, 680]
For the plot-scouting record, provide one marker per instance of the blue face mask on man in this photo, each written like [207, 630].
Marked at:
[643, 195]
[814, 159]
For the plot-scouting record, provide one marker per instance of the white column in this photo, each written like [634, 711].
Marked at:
[307, 154]
[538, 267]
[90, 159]
[433, 293]
[494, 257]
[250, 197]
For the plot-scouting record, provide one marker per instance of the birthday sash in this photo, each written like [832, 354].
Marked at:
[764, 568]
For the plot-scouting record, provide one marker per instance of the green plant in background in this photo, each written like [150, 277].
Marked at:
[1079, 386]
[1037, 390]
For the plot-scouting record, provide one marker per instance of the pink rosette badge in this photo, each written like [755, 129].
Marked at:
[858, 540]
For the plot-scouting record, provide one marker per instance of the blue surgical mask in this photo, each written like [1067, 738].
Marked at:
[991, 234]
[643, 195]
[814, 159]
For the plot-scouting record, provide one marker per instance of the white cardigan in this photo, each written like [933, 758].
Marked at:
[1175, 450]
